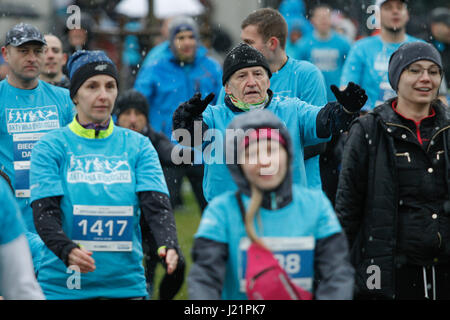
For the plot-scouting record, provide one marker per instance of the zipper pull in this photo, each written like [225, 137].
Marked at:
[404, 154]
[273, 202]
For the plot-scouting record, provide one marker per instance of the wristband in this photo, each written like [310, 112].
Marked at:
[160, 249]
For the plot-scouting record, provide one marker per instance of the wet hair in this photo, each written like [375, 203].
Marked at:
[269, 23]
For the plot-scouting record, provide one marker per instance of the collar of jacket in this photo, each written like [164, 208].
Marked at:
[79, 130]
[387, 114]
[277, 198]
[235, 109]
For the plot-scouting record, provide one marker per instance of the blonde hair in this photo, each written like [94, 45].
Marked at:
[250, 214]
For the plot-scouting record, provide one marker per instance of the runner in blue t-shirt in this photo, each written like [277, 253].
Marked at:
[266, 30]
[17, 279]
[298, 224]
[246, 77]
[368, 59]
[29, 108]
[325, 48]
[90, 183]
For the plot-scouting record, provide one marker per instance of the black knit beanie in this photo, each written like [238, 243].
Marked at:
[85, 64]
[131, 99]
[407, 54]
[243, 56]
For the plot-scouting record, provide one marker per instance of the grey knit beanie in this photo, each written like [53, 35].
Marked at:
[407, 54]
[179, 24]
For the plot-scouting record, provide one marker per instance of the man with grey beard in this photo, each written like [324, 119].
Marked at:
[368, 59]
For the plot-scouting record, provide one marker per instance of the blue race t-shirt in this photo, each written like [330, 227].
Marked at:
[327, 54]
[303, 80]
[25, 116]
[290, 232]
[367, 65]
[11, 222]
[98, 180]
[299, 118]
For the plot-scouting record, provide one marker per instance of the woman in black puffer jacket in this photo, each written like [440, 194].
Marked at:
[393, 194]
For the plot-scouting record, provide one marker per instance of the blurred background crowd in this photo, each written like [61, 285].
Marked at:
[127, 29]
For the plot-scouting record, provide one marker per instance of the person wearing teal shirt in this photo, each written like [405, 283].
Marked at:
[17, 279]
[325, 48]
[368, 59]
[29, 109]
[90, 183]
[246, 77]
[298, 224]
[266, 30]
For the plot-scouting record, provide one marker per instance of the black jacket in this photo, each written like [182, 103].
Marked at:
[164, 147]
[391, 195]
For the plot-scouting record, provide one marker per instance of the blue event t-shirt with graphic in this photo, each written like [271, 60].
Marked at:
[303, 80]
[290, 232]
[327, 54]
[299, 119]
[26, 115]
[367, 65]
[98, 180]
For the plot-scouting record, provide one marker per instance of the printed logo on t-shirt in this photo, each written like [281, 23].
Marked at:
[96, 168]
[32, 119]
[325, 59]
[27, 125]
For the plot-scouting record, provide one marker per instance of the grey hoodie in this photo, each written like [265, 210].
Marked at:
[254, 120]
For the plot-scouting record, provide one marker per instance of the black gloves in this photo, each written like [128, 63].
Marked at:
[195, 106]
[187, 112]
[351, 98]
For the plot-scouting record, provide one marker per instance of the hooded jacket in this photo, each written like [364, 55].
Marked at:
[286, 213]
[282, 195]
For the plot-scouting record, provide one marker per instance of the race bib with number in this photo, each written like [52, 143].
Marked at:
[103, 228]
[23, 144]
[295, 256]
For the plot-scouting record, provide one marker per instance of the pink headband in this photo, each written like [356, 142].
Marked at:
[264, 133]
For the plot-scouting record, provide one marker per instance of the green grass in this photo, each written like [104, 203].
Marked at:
[187, 220]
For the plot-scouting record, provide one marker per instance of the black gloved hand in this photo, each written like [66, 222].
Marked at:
[352, 98]
[195, 106]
